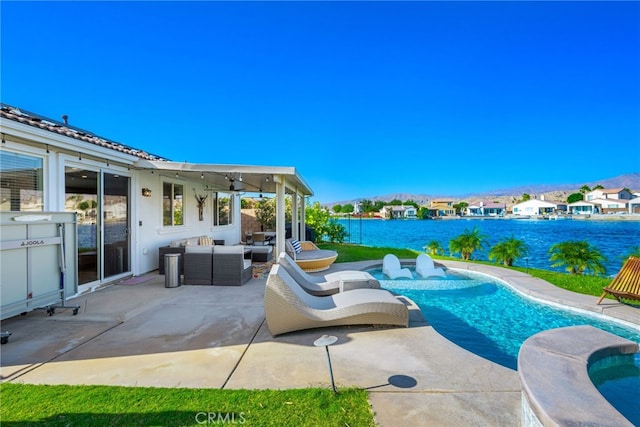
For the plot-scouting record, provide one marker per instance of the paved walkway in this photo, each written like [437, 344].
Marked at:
[211, 336]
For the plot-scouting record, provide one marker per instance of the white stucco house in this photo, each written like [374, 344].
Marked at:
[487, 209]
[397, 212]
[538, 207]
[613, 205]
[128, 201]
[612, 193]
[582, 207]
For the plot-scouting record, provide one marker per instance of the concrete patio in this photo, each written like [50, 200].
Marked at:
[216, 336]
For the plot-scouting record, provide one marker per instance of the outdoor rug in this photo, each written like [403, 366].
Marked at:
[261, 269]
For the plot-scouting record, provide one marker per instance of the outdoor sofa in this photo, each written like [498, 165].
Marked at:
[178, 247]
[216, 265]
[259, 253]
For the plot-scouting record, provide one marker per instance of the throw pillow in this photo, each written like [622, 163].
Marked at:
[296, 246]
[206, 241]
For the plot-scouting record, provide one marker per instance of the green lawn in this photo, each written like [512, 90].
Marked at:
[62, 405]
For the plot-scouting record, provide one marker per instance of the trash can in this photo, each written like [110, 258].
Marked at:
[171, 270]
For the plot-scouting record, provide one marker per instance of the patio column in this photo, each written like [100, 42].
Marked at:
[280, 217]
[294, 217]
[303, 225]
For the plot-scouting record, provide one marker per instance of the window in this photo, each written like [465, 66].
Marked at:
[223, 209]
[172, 204]
[21, 187]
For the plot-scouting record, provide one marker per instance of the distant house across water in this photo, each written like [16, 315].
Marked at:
[487, 209]
[538, 207]
[398, 212]
[442, 207]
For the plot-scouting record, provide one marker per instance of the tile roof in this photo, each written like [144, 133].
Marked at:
[35, 120]
[494, 205]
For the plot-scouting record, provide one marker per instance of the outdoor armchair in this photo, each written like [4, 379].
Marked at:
[198, 265]
[230, 267]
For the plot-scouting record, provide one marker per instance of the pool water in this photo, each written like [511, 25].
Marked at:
[485, 316]
[617, 378]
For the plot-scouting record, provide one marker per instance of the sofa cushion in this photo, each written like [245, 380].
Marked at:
[315, 254]
[228, 249]
[192, 241]
[191, 249]
[262, 249]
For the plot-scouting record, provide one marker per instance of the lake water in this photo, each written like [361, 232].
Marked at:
[614, 239]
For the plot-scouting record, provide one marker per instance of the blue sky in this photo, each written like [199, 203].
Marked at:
[363, 98]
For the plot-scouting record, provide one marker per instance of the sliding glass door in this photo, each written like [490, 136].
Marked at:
[102, 203]
[81, 197]
[116, 220]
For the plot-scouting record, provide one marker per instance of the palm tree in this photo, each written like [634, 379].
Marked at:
[508, 250]
[467, 243]
[577, 257]
[434, 248]
[634, 251]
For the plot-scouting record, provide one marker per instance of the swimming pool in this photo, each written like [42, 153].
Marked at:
[484, 315]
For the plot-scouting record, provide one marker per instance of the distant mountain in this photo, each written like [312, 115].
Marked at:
[507, 195]
[630, 181]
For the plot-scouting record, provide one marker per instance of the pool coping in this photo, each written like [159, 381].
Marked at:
[556, 387]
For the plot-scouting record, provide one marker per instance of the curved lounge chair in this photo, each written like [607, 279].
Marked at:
[309, 257]
[328, 284]
[391, 268]
[288, 307]
[426, 268]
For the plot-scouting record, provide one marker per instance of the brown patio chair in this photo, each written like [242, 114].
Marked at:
[259, 239]
[626, 284]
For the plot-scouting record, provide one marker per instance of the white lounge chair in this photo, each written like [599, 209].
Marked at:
[426, 268]
[289, 308]
[328, 284]
[391, 268]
